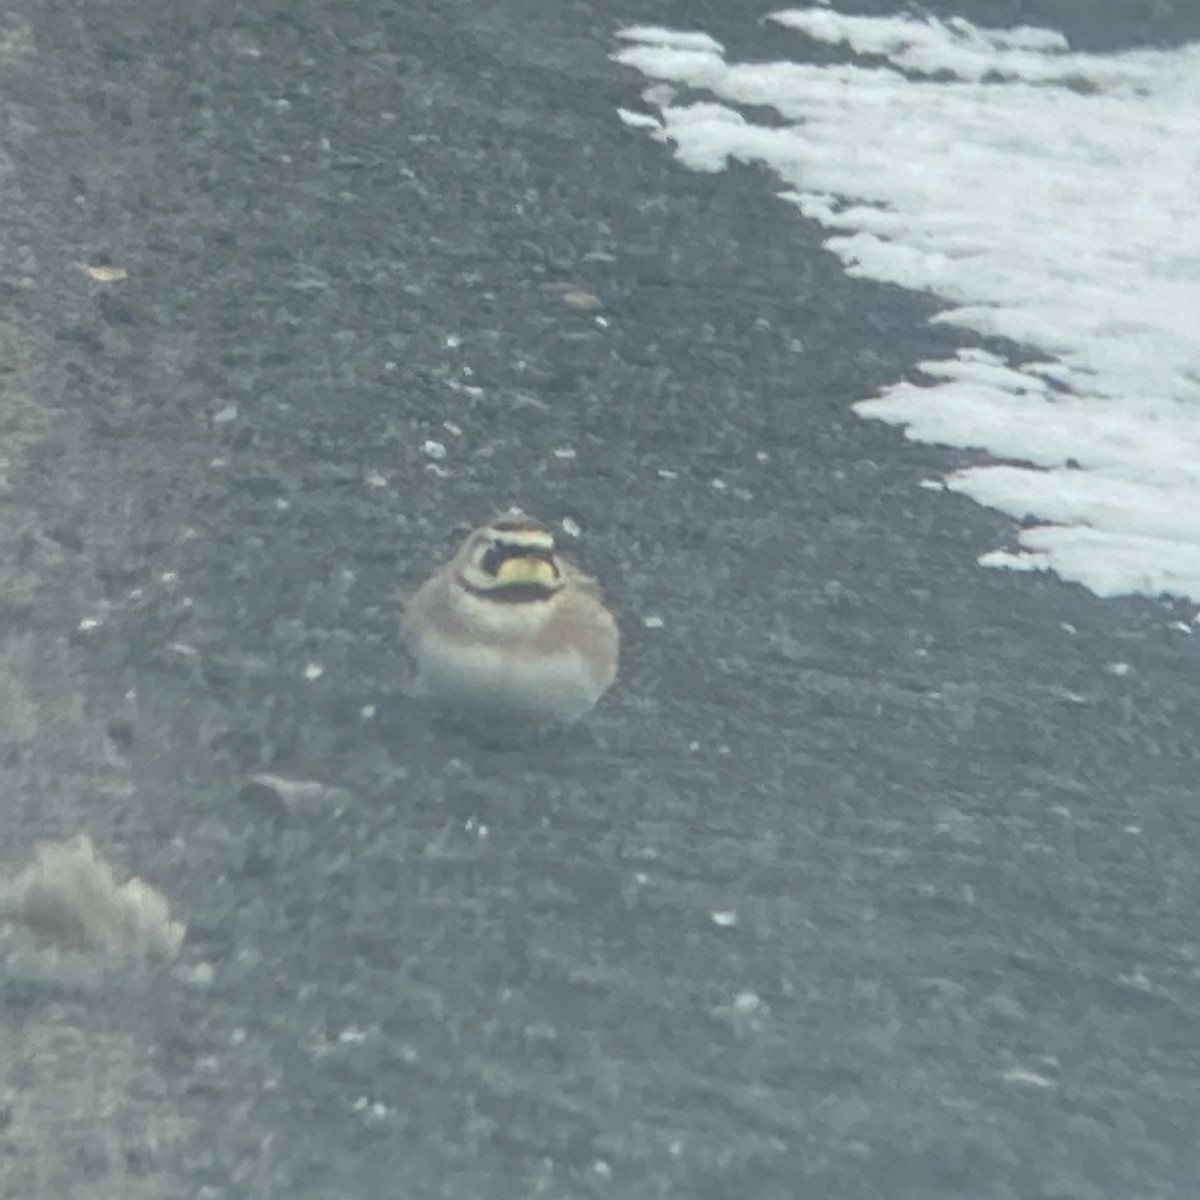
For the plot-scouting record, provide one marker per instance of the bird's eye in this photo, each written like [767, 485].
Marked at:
[492, 558]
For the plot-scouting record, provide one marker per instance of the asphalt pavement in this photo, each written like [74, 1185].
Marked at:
[875, 875]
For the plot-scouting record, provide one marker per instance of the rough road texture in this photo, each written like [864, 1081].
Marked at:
[960, 844]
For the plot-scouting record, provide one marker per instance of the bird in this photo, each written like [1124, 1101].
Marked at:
[510, 630]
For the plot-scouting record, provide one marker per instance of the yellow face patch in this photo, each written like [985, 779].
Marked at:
[527, 569]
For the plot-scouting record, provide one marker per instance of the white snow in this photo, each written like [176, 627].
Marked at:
[1050, 198]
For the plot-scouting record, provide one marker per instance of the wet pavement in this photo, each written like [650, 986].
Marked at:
[876, 874]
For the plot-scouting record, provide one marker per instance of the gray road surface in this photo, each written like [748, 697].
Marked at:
[960, 841]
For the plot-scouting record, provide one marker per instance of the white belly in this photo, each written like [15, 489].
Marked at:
[542, 689]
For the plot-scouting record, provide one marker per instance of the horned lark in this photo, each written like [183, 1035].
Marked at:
[510, 629]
